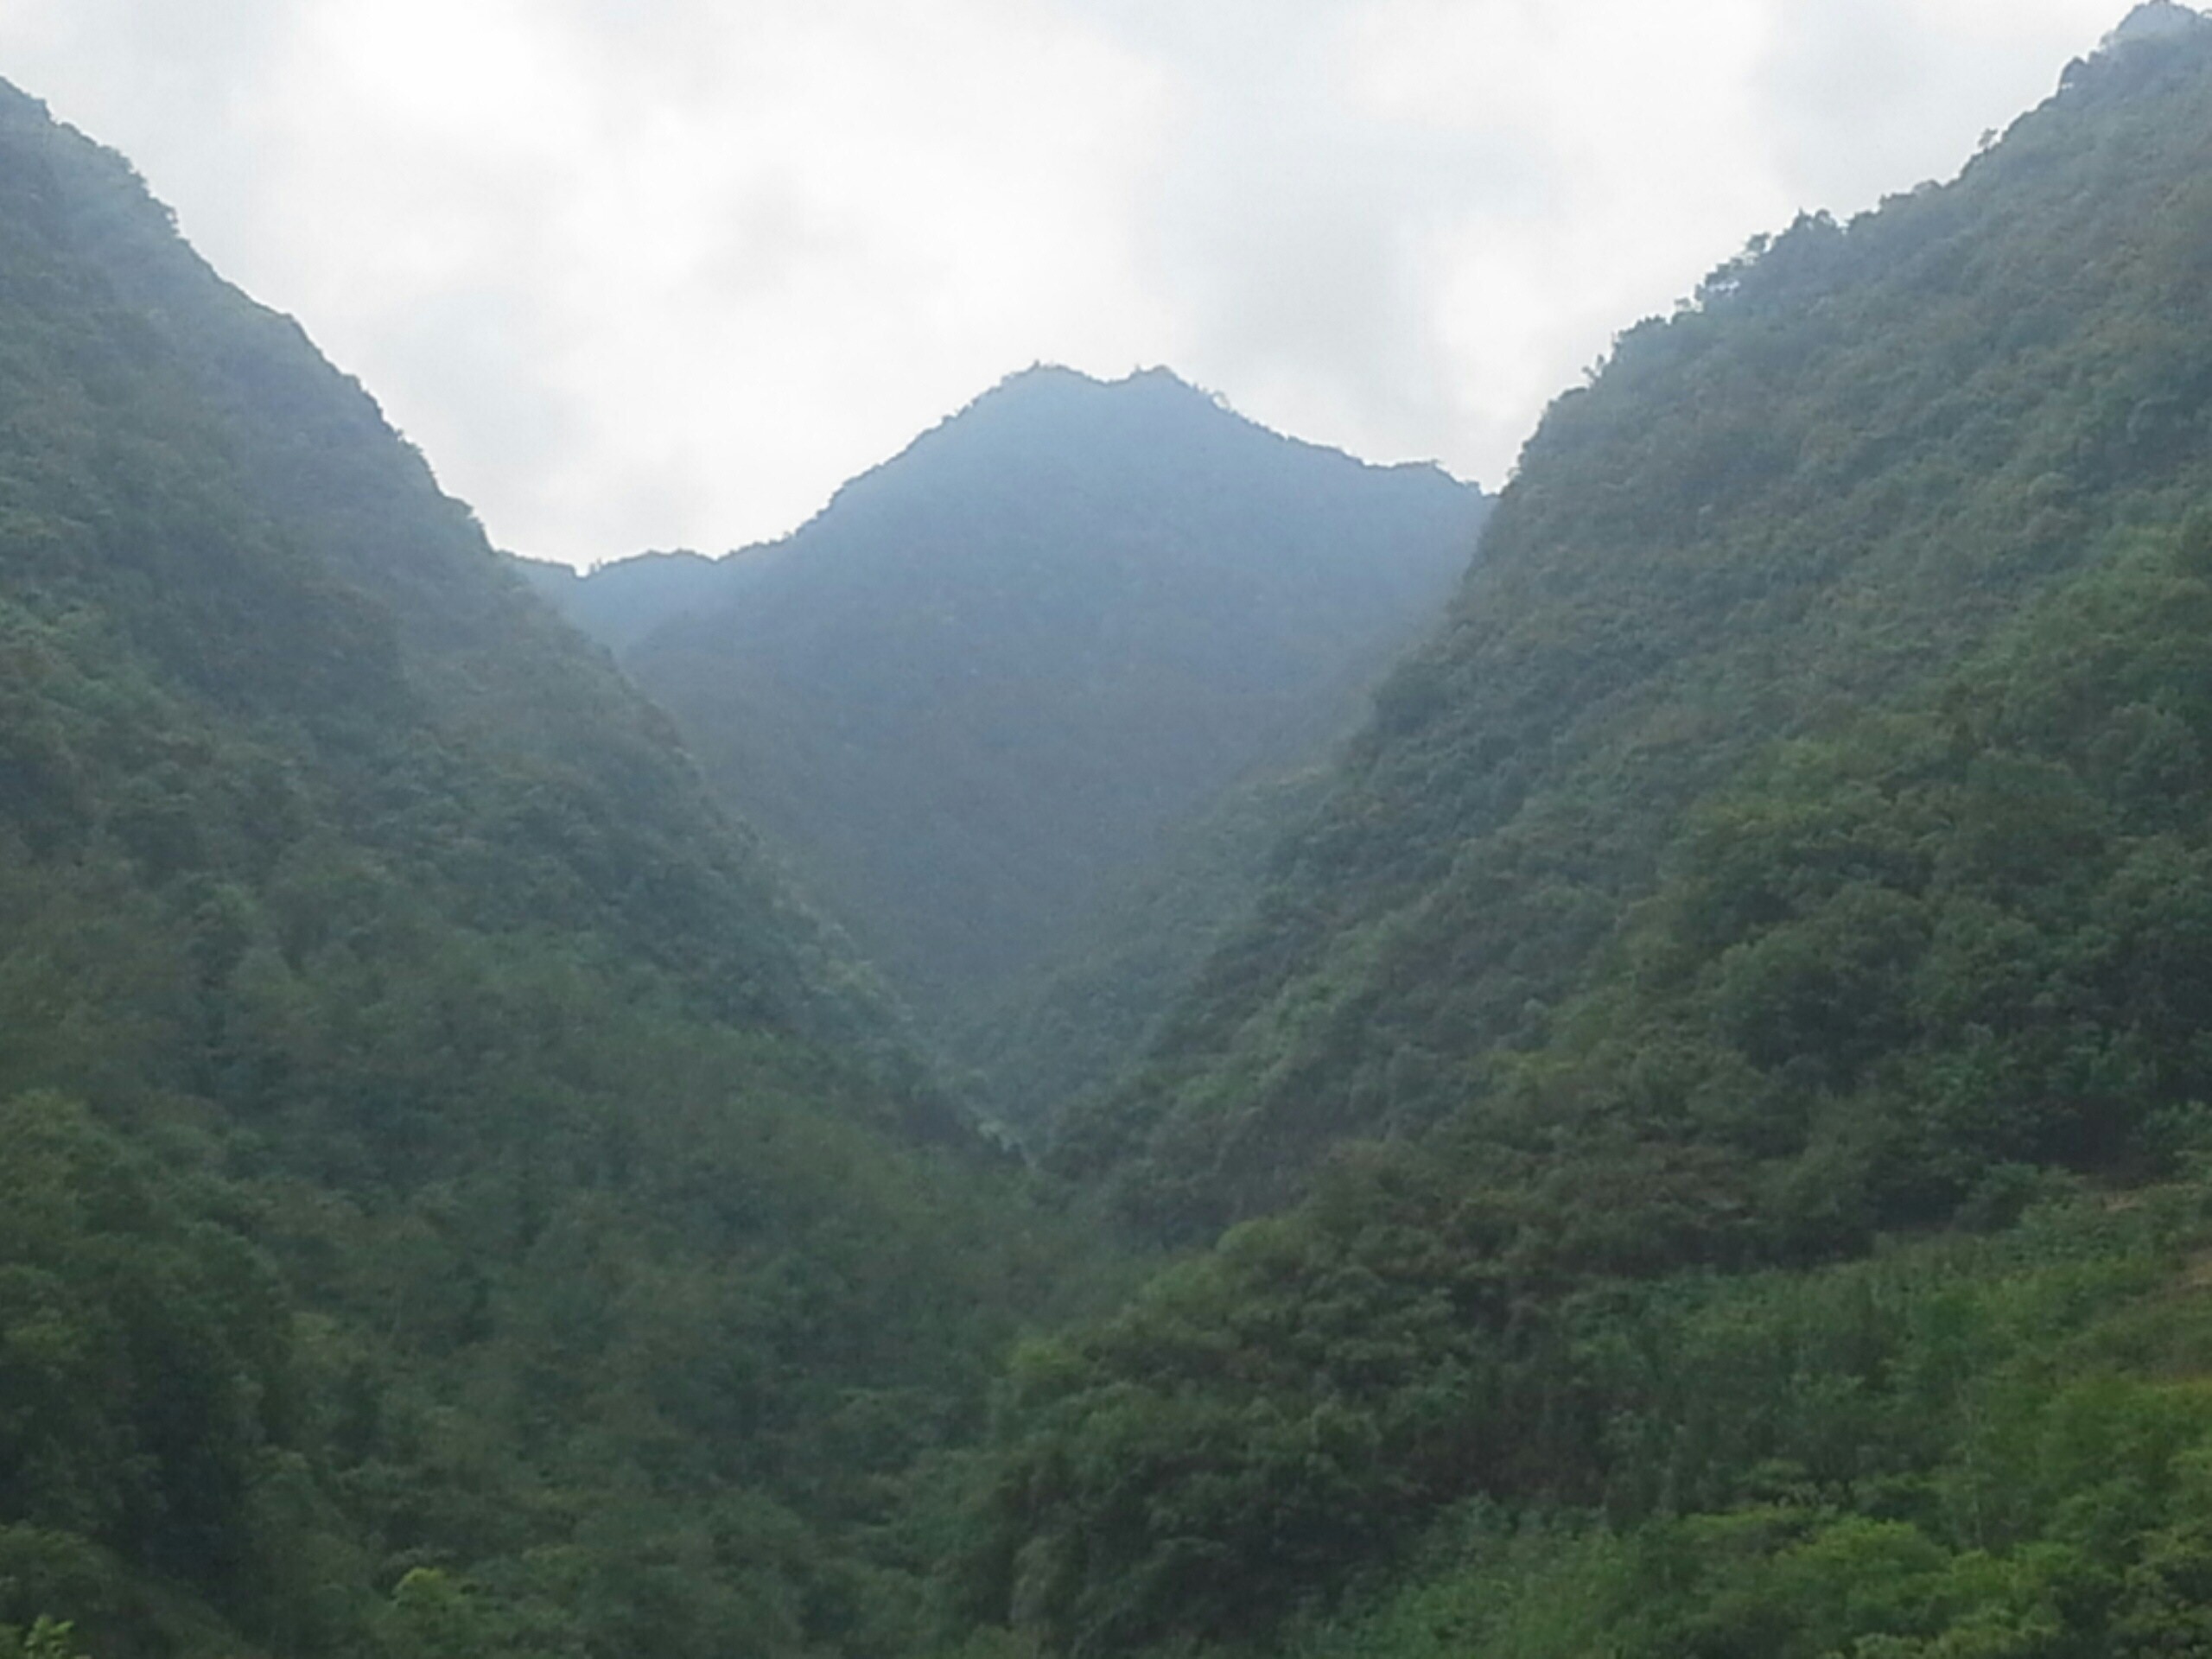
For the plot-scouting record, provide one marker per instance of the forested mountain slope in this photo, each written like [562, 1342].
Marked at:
[973, 693]
[1816, 490]
[453, 1203]
[452, 1200]
[1088, 1014]
[1778, 918]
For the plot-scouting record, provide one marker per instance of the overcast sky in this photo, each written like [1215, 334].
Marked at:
[656, 273]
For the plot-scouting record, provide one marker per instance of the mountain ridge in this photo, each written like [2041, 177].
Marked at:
[1701, 1149]
[1748, 561]
[973, 694]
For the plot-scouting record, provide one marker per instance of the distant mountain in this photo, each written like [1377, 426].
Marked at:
[977, 691]
[454, 1198]
[624, 603]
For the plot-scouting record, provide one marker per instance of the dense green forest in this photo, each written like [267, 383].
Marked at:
[1701, 1149]
[1932, 971]
[454, 1198]
[1019, 669]
[1815, 489]
[1770, 931]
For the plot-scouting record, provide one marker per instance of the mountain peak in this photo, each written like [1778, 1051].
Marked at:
[2154, 19]
[979, 686]
[1058, 386]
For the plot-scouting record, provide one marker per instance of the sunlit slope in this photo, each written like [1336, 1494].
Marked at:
[973, 693]
[1807, 494]
[451, 1199]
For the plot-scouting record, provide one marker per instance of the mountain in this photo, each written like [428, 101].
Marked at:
[1700, 1146]
[454, 1199]
[621, 603]
[1817, 490]
[1710, 1119]
[974, 695]
[1070, 1029]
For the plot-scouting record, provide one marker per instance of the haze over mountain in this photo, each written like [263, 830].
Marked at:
[1701, 1147]
[978, 692]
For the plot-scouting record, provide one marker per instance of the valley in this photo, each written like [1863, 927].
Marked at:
[1014, 672]
[1144, 1039]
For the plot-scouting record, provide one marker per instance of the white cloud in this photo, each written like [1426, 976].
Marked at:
[667, 272]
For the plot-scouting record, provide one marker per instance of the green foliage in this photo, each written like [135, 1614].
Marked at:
[2114, 1564]
[1820, 489]
[1798, 844]
[453, 1198]
[47, 1638]
[454, 1202]
[1996, 1439]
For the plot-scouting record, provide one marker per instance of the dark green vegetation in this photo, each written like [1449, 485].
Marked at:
[1069, 1031]
[451, 1200]
[996, 679]
[1815, 492]
[1995, 1446]
[1896, 978]
[1724, 1062]
[1772, 931]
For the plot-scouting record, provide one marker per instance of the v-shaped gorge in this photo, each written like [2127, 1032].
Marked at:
[453, 1200]
[1024, 706]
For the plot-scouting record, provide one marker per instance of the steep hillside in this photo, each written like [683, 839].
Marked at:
[1776, 919]
[973, 694]
[1814, 490]
[1724, 1057]
[1090, 1011]
[452, 1199]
